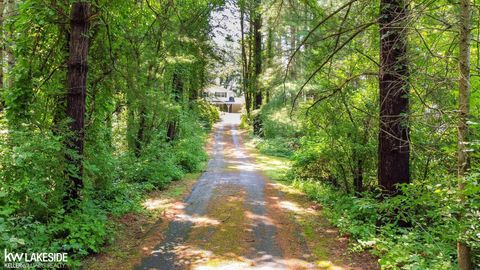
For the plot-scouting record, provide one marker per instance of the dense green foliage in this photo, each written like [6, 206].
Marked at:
[428, 244]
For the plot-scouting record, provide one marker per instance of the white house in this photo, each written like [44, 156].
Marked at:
[224, 99]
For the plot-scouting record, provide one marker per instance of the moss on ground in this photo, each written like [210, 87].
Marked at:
[310, 221]
[227, 208]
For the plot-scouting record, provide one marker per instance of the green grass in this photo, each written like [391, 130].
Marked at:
[274, 167]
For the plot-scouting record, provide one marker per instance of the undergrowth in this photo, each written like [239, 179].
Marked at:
[428, 243]
[32, 218]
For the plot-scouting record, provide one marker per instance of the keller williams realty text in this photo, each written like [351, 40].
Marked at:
[26, 260]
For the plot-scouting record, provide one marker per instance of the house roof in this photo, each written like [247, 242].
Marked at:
[217, 88]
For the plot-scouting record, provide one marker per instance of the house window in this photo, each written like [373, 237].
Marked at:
[221, 94]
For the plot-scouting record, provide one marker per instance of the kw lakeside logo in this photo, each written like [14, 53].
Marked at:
[15, 260]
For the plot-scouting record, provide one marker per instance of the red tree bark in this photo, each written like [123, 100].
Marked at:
[77, 83]
[394, 145]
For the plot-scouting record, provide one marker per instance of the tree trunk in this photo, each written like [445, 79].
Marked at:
[77, 82]
[245, 63]
[250, 66]
[177, 88]
[247, 101]
[358, 175]
[464, 256]
[394, 145]
[257, 48]
[1, 54]
[10, 11]
[177, 94]
[269, 58]
[140, 139]
[293, 46]
[171, 130]
[344, 177]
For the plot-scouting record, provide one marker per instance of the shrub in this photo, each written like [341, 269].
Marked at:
[206, 113]
[429, 243]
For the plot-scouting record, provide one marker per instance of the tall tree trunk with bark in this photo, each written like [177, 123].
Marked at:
[9, 13]
[463, 251]
[140, 138]
[394, 144]
[257, 53]
[177, 96]
[358, 175]
[1, 53]
[245, 64]
[77, 84]
[269, 49]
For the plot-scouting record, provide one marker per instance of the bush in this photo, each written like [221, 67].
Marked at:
[277, 121]
[206, 113]
[77, 233]
[244, 123]
[280, 147]
[30, 165]
[189, 153]
[429, 243]
[276, 133]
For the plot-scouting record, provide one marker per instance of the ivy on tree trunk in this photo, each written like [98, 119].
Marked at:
[77, 84]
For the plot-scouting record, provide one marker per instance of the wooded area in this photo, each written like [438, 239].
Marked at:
[376, 104]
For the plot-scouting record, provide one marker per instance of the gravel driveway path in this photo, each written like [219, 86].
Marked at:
[231, 173]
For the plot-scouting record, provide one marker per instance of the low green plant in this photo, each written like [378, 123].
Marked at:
[206, 113]
[428, 242]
